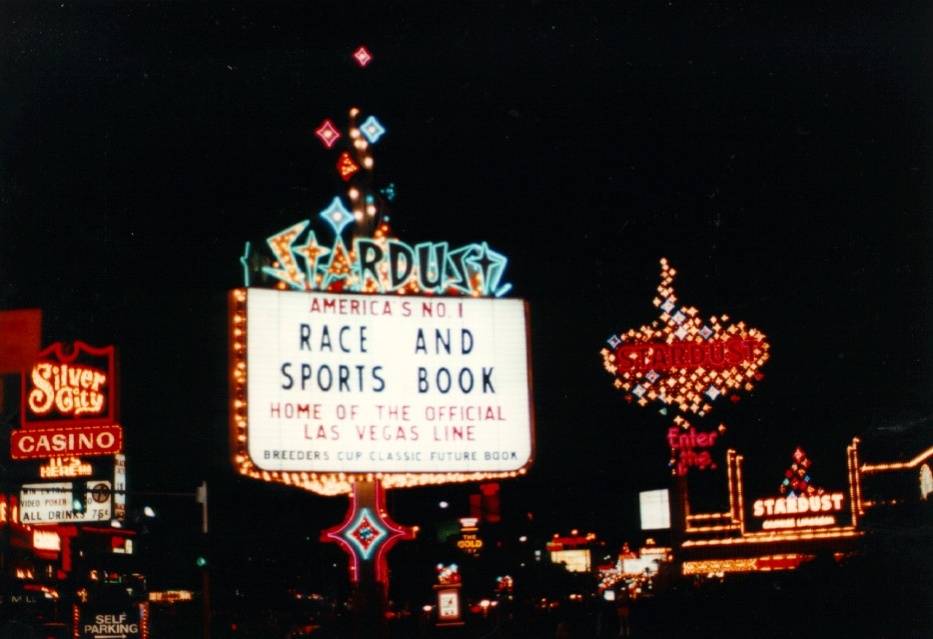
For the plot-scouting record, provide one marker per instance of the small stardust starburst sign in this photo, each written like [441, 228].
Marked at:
[686, 362]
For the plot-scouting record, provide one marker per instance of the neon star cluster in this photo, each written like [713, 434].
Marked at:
[361, 255]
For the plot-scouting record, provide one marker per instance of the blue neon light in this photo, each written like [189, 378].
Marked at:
[372, 129]
[337, 216]
[378, 531]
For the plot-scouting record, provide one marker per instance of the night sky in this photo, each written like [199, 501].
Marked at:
[778, 156]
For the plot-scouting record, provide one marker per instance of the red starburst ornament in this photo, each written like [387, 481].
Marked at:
[346, 166]
[328, 133]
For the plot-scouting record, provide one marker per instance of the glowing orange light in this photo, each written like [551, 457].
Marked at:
[346, 166]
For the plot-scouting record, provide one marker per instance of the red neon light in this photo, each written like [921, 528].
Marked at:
[362, 56]
[686, 355]
[41, 443]
[684, 445]
[373, 538]
[327, 133]
[69, 386]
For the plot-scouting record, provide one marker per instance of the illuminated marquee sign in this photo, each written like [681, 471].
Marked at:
[52, 503]
[801, 504]
[686, 363]
[67, 467]
[342, 386]
[70, 386]
[470, 541]
[373, 359]
[111, 622]
[813, 510]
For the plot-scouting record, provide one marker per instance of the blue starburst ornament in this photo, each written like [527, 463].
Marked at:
[372, 129]
[337, 216]
[389, 191]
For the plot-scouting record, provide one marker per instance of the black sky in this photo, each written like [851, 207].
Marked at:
[778, 156]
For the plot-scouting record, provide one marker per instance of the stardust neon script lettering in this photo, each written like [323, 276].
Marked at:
[685, 355]
[375, 265]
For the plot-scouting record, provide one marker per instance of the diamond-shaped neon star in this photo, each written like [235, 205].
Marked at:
[364, 533]
[367, 533]
[372, 129]
[328, 133]
[362, 56]
[337, 216]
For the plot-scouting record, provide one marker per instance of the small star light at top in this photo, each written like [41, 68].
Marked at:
[328, 133]
[362, 56]
[372, 129]
[337, 216]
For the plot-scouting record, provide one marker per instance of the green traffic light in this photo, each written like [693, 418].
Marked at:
[202, 562]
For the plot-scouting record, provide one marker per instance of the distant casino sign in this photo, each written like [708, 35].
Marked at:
[70, 385]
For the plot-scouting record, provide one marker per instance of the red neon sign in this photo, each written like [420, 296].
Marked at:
[70, 385]
[367, 533]
[689, 448]
[686, 355]
[39, 443]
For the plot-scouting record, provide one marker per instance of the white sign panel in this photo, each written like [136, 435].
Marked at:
[119, 487]
[395, 384]
[655, 509]
[448, 604]
[52, 503]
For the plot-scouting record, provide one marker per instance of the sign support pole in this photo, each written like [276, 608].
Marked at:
[366, 534]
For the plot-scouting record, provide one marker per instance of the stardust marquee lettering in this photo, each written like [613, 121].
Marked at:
[816, 510]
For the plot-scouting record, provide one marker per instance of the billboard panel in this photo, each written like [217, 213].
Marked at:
[575, 560]
[382, 384]
[51, 503]
[655, 509]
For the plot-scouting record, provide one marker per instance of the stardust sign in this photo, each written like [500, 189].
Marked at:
[355, 384]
